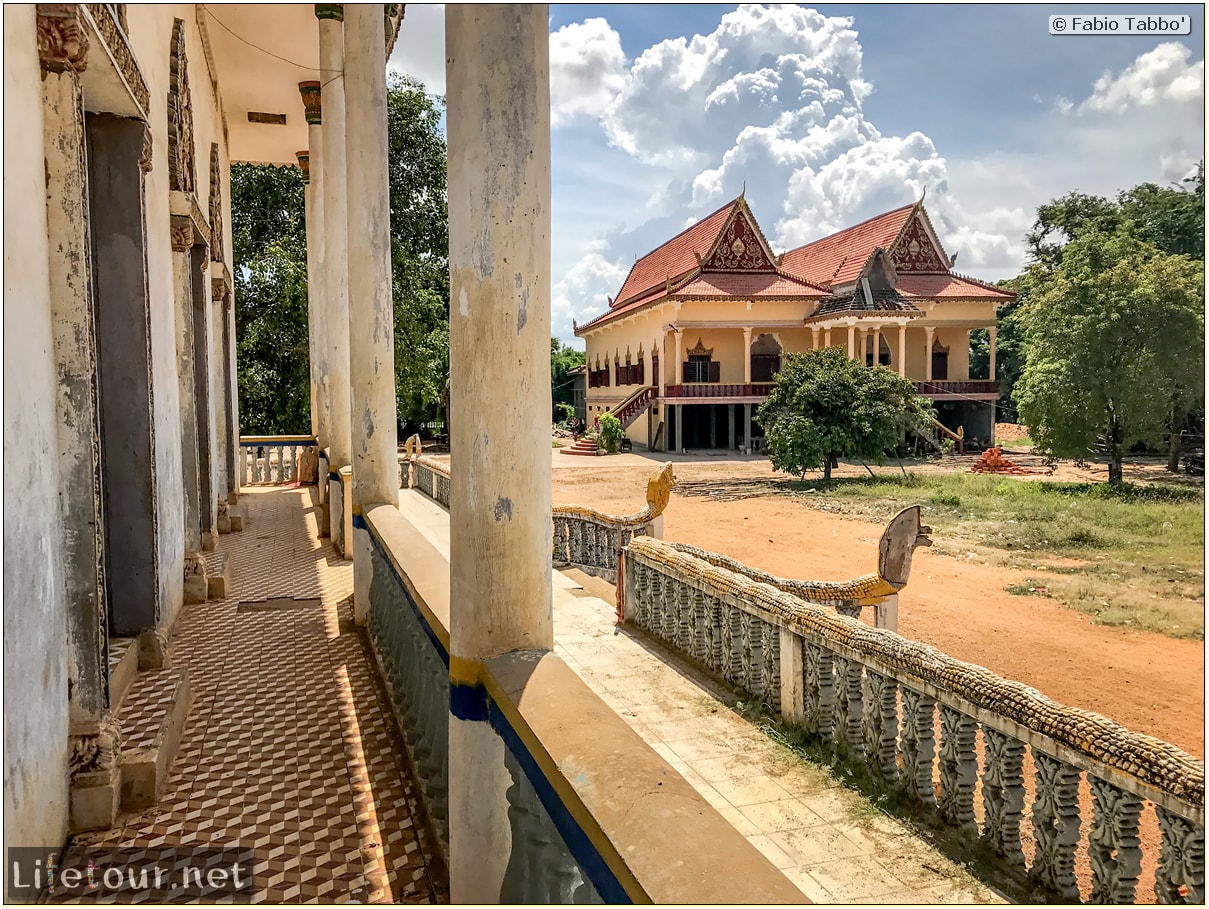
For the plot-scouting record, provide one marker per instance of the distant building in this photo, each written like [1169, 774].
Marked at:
[718, 309]
[579, 375]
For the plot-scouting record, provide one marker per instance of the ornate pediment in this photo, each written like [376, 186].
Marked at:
[916, 251]
[701, 350]
[739, 248]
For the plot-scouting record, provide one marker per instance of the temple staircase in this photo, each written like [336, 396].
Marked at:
[635, 405]
[585, 447]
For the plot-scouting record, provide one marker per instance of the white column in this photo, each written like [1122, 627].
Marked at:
[679, 364]
[747, 356]
[814, 337]
[851, 342]
[315, 273]
[498, 90]
[992, 332]
[875, 334]
[335, 248]
[371, 304]
[827, 336]
[902, 349]
[929, 332]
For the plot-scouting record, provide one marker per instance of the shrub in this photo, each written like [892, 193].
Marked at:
[611, 433]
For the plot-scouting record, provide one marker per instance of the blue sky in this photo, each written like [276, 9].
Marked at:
[830, 114]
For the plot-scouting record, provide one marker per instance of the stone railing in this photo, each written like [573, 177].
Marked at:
[593, 541]
[718, 390]
[572, 839]
[276, 460]
[873, 697]
[431, 477]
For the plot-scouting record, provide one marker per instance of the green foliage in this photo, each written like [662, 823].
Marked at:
[564, 412]
[611, 433]
[269, 232]
[1114, 334]
[563, 358]
[825, 406]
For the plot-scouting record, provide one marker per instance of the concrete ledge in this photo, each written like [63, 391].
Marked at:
[145, 768]
[632, 807]
[422, 569]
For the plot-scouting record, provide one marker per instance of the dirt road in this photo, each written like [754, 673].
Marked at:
[1146, 682]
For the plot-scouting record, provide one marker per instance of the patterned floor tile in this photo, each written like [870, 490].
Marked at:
[289, 749]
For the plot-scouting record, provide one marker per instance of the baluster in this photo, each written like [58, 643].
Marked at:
[750, 677]
[818, 686]
[1056, 825]
[732, 653]
[256, 474]
[958, 769]
[649, 617]
[698, 641]
[560, 541]
[1003, 793]
[243, 466]
[684, 619]
[770, 664]
[667, 615]
[715, 622]
[643, 578]
[610, 550]
[881, 724]
[1180, 877]
[848, 703]
[917, 745]
[279, 451]
[1113, 846]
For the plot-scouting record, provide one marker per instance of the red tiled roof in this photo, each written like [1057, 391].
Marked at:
[941, 286]
[675, 257]
[737, 284]
[839, 258]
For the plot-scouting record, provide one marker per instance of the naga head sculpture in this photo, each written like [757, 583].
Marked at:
[659, 489]
[899, 540]
[412, 446]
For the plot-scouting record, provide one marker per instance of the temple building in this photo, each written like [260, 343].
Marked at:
[694, 337]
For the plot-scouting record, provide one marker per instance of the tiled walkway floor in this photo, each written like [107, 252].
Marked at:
[289, 748]
[828, 840]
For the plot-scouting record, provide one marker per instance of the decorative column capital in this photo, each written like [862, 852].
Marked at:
[182, 233]
[145, 159]
[330, 11]
[62, 40]
[304, 164]
[312, 101]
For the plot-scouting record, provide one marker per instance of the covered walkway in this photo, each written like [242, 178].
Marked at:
[289, 749]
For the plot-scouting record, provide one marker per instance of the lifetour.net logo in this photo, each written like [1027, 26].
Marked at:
[129, 875]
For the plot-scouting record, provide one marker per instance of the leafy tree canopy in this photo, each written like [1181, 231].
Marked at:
[824, 406]
[268, 224]
[562, 358]
[1114, 340]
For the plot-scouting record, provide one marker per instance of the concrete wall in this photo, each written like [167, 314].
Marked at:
[35, 622]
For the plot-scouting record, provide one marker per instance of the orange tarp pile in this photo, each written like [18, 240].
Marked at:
[993, 461]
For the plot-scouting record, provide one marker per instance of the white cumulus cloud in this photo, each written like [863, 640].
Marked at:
[1163, 74]
[586, 67]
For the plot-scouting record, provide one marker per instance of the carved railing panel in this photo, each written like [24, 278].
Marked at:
[273, 460]
[873, 698]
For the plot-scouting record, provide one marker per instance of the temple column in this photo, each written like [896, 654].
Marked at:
[851, 342]
[827, 336]
[679, 364]
[875, 336]
[316, 303]
[930, 334]
[730, 419]
[902, 349]
[747, 429]
[497, 60]
[335, 265]
[747, 356]
[371, 303]
[814, 337]
[679, 427]
[991, 333]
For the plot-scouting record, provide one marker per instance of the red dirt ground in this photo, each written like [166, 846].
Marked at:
[1147, 682]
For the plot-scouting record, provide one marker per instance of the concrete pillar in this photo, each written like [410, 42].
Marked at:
[76, 404]
[335, 247]
[814, 337]
[730, 420]
[827, 336]
[967, 349]
[875, 334]
[713, 427]
[992, 332]
[679, 428]
[316, 302]
[235, 454]
[747, 356]
[186, 350]
[679, 364]
[851, 342]
[929, 332]
[902, 349]
[371, 303]
[747, 428]
[498, 90]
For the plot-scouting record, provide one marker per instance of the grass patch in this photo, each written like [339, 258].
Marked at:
[554, 444]
[1029, 588]
[1139, 550]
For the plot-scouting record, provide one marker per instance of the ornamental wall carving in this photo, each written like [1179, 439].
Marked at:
[312, 101]
[146, 159]
[62, 38]
[182, 233]
[916, 253]
[739, 248]
[109, 20]
[97, 749]
[180, 115]
[216, 234]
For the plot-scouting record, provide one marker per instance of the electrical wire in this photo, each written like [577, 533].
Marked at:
[269, 53]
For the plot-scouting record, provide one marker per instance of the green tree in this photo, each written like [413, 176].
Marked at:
[1114, 339]
[268, 231]
[562, 358]
[268, 225]
[824, 406]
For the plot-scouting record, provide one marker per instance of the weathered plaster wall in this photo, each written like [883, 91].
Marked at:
[35, 640]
